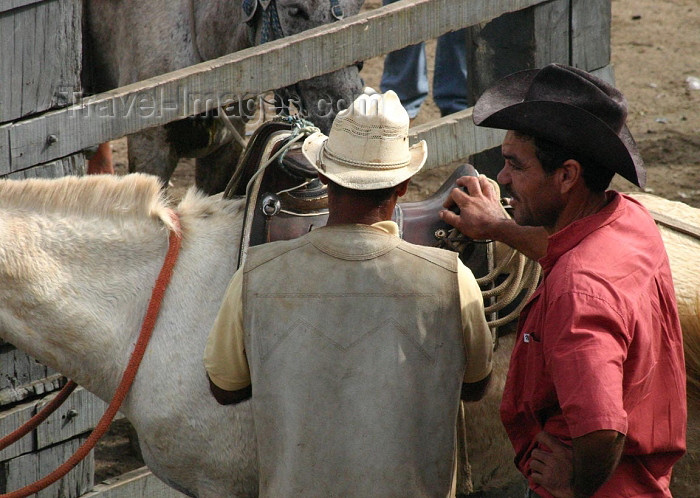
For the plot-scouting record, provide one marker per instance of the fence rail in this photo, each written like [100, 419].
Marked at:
[168, 97]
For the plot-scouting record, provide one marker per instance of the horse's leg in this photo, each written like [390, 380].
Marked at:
[101, 161]
[151, 153]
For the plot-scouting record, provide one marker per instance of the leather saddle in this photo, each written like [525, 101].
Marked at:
[285, 199]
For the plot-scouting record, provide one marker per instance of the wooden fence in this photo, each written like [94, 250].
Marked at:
[44, 127]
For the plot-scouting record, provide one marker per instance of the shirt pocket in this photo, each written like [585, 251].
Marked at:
[539, 395]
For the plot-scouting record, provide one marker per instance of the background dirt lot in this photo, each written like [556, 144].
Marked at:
[655, 52]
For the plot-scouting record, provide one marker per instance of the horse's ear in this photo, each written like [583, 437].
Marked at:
[249, 7]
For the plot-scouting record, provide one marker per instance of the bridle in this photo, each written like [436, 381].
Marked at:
[270, 27]
[261, 16]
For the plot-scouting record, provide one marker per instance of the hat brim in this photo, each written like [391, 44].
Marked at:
[351, 176]
[503, 106]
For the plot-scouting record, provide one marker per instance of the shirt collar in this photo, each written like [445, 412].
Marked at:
[387, 226]
[569, 237]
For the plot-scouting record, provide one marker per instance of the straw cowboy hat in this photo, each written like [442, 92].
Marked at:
[569, 107]
[367, 147]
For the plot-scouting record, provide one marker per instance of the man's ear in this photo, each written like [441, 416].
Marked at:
[323, 178]
[569, 173]
[402, 188]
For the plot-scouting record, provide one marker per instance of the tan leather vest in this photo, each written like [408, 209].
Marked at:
[354, 341]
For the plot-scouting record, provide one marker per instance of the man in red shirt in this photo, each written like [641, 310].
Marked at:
[594, 403]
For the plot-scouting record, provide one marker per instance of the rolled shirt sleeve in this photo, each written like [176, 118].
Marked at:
[224, 355]
[478, 343]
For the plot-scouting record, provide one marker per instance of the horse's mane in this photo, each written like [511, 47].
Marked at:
[135, 195]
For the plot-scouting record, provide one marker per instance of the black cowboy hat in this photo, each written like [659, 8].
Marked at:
[569, 107]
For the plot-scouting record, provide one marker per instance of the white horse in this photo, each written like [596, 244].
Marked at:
[78, 259]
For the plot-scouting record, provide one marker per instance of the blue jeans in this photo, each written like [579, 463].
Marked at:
[406, 72]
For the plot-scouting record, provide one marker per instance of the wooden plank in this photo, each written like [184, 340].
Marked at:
[18, 368]
[33, 389]
[10, 66]
[15, 4]
[520, 40]
[13, 419]
[26, 469]
[139, 482]
[606, 73]
[516, 41]
[40, 57]
[454, 138]
[60, 426]
[551, 29]
[4, 148]
[77, 415]
[168, 97]
[71, 165]
[21, 376]
[590, 33]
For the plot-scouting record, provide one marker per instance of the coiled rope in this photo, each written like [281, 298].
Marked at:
[520, 274]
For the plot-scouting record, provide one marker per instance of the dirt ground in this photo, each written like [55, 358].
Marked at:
[656, 57]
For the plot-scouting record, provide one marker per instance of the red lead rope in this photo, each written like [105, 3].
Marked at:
[122, 389]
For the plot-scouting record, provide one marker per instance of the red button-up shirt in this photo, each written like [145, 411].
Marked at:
[599, 346]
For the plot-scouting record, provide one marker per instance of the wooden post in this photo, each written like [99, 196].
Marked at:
[573, 32]
[590, 34]
[40, 64]
[519, 40]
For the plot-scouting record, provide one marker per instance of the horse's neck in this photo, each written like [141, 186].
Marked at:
[172, 372]
[214, 38]
[73, 290]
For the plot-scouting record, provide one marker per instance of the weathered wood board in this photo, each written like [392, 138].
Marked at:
[40, 55]
[21, 376]
[28, 468]
[11, 419]
[454, 138]
[515, 41]
[71, 165]
[139, 482]
[165, 98]
[4, 150]
[590, 33]
[32, 390]
[78, 414]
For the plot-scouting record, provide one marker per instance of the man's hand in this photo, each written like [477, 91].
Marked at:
[481, 217]
[479, 207]
[553, 470]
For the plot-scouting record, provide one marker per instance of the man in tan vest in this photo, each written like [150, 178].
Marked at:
[355, 345]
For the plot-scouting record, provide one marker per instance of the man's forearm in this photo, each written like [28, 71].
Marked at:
[531, 241]
[224, 397]
[596, 456]
[474, 391]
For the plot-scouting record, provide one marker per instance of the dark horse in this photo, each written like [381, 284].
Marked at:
[130, 40]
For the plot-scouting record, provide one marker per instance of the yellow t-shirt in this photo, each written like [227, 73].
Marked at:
[225, 360]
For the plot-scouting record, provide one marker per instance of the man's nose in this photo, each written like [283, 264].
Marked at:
[503, 176]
